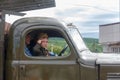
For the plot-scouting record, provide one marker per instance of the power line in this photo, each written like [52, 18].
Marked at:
[96, 8]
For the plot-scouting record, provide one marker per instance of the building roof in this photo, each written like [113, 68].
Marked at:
[25, 5]
[110, 24]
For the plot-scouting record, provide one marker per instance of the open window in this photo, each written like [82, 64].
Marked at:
[57, 44]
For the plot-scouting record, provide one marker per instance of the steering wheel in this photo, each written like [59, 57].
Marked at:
[63, 50]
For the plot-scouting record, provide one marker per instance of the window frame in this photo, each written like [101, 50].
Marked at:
[60, 30]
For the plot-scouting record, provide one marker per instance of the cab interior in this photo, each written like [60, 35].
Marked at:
[57, 42]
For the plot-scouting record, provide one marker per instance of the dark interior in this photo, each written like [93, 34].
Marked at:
[50, 33]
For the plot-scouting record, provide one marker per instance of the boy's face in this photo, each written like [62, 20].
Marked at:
[44, 42]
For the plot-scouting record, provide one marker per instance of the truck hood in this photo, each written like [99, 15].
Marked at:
[91, 59]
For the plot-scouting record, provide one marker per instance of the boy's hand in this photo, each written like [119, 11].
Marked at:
[39, 41]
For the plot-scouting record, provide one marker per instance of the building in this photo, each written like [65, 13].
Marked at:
[109, 37]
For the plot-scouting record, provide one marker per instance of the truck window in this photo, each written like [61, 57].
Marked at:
[58, 46]
[45, 43]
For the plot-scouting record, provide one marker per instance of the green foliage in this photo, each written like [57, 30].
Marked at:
[56, 45]
[93, 44]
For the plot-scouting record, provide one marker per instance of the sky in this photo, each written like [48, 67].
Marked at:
[87, 15]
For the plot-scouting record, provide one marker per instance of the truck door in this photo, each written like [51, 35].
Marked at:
[60, 65]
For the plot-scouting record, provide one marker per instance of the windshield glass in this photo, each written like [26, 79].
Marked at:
[77, 39]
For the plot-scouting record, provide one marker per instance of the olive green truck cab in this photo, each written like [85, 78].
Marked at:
[72, 59]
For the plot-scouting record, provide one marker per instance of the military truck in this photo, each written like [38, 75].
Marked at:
[73, 60]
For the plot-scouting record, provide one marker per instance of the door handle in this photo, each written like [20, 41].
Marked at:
[23, 70]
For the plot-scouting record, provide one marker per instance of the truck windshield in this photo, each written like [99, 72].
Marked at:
[77, 39]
